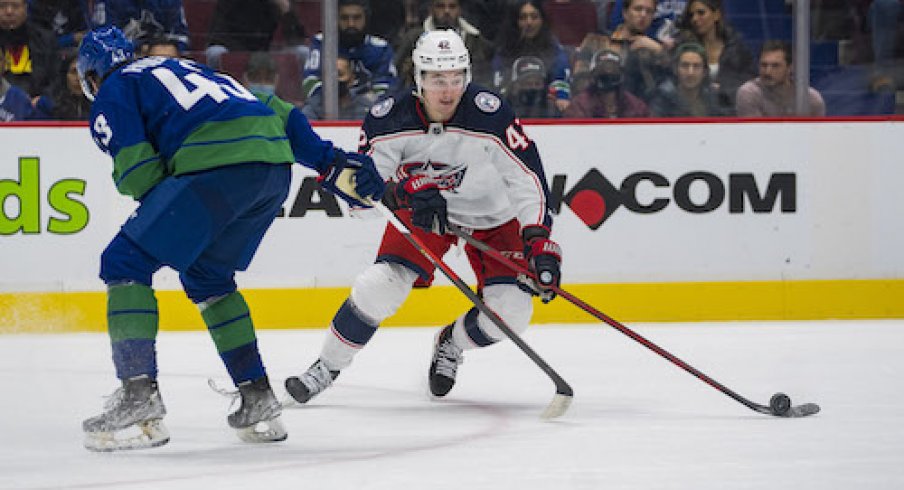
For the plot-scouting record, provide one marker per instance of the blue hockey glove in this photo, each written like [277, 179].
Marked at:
[544, 259]
[428, 206]
[354, 178]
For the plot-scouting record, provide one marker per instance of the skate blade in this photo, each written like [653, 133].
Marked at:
[143, 435]
[271, 430]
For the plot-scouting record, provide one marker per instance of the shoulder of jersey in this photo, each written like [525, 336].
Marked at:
[484, 110]
[376, 41]
[392, 113]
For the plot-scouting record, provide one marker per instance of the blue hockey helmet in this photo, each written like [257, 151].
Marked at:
[101, 51]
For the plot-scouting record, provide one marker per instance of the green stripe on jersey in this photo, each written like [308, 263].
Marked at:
[137, 168]
[240, 140]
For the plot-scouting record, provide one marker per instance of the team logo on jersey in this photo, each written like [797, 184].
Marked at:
[382, 108]
[487, 102]
[446, 176]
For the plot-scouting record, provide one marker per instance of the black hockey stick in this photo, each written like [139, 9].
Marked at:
[779, 404]
[564, 393]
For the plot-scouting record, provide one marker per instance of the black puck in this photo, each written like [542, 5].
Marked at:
[780, 403]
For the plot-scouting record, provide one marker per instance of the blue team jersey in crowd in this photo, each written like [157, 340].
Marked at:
[372, 62]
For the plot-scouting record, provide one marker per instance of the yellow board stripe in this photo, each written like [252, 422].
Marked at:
[58, 312]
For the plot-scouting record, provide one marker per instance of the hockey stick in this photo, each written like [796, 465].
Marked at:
[779, 404]
[564, 393]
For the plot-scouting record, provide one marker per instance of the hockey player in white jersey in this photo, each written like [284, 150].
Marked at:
[456, 154]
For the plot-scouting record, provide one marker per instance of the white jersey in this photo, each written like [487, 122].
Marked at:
[488, 170]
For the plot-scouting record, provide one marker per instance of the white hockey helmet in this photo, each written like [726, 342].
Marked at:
[440, 50]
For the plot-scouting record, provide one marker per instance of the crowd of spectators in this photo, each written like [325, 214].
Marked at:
[665, 58]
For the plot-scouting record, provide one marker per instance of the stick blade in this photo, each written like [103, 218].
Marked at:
[557, 407]
[803, 410]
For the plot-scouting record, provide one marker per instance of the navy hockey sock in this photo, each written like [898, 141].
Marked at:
[132, 323]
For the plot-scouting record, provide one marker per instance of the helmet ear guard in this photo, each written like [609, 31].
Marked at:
[440, 50]
[102, 50]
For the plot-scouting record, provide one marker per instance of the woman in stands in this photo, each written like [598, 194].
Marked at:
[526, 32]
[729, 59]
[65, 100]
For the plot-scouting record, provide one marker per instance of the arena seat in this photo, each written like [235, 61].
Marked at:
[571, 21]
[198, 17]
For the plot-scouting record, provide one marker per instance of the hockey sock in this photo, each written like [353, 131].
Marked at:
[350, 332]
[229, 322]
[132, 324]
[466, 331]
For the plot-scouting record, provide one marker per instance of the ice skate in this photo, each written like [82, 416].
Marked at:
[257, 419]
[132, 418]
[446, 358]
[310, 383]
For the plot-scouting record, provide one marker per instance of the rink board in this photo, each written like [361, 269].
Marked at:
[658, 222]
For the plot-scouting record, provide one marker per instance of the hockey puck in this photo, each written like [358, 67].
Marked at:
[780, 403]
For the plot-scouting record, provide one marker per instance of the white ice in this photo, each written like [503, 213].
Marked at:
[637, 421]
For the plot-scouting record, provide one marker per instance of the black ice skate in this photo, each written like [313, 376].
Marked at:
[446, 358]
[132, 418]
[310, 383]
[257, 419]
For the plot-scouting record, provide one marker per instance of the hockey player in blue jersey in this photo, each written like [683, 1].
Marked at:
[209, 164]
[456, 154]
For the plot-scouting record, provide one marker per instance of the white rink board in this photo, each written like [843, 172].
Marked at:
[846, 223]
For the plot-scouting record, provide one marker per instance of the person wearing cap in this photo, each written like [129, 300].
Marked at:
[729, 59]
[689, 93]
[526, 31]
[527, 92]
[606, 96]
[355, 97]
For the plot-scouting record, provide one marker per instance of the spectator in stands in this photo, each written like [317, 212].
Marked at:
[160, 46]
[15, 105]
[371, 56]
[605, 97]
[355, 98]
[142, 20]
[242, 25]
[67, 19]
[883, 19]
[485, 15]
[446, 14]
[389, 21]
[771, 94]
[32, 56]
[65, 101]
[646, 59]
[730, 61]
[261, 75]
[526, 32]
[690, 93]
[664, 25]
[527, 91]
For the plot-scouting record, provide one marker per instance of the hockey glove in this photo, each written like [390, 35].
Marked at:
[428, 206]
[544, 258]
[354, 178]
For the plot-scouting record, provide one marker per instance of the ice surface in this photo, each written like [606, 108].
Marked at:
[637, 421]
